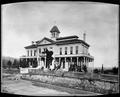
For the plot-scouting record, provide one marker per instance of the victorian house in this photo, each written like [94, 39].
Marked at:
[70, 52]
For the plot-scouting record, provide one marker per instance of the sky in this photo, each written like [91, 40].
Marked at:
[24, 22]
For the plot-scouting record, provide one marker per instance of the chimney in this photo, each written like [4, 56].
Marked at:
[32, 42]
[84, 36]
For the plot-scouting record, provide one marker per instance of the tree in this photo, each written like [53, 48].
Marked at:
[15, 64]
[23, 63]
[9, 64]
[115, 70]
[96, 70]
[102, 69]
[49, 57]
[85, 68]
[4, 63]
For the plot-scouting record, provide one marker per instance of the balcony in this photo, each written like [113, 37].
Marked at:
[75, 55]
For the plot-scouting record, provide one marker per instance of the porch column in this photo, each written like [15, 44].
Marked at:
[87, 62]
[81, 64]
[77, 63]
[93, 66]
[84, 60]
[71, 60]
[65, 62]
[32, 61]
[45, 61]
[39, 61]
[65, 59]
[59, 61]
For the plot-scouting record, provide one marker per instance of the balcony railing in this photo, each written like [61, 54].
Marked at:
[74, 55]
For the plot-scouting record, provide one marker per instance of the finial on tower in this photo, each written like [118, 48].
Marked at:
[84, 36]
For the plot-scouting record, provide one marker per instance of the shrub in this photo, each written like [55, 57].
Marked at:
[96, 71]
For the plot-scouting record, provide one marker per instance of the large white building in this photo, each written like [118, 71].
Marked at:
[70, 52]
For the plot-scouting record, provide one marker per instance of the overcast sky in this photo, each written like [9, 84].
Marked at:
[30, 21]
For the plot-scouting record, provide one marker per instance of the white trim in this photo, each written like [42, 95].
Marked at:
[74, 55]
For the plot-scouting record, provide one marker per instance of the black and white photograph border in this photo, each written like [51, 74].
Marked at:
[62, 48]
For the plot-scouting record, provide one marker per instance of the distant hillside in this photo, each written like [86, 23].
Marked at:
[7, 58]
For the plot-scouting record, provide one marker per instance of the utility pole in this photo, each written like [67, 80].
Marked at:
[102, 69]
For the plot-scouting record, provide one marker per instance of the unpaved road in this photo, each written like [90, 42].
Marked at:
[24, 87]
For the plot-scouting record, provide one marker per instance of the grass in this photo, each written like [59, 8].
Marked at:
[11, 71]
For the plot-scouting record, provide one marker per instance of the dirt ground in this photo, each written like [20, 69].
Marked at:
[24, 87]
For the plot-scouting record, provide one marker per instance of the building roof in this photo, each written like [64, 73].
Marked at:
[31, 46]
[63, 42]
[67, 37]
[37, 42]
[45, 38]
[73, 41]
[54, 29]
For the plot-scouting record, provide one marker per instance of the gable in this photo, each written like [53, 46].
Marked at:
[45, 41]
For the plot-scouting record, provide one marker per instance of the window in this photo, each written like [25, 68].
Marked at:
[76, 49]
[28, 52]
[65, 50]
[31, 52]
[71, 50]
[60, 51]
[39, 50]
[34, 52]
[45, 49]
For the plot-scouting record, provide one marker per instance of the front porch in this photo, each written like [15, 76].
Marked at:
[75, 64]
[65, 63]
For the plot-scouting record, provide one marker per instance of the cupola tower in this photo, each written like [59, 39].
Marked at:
[54, 32]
